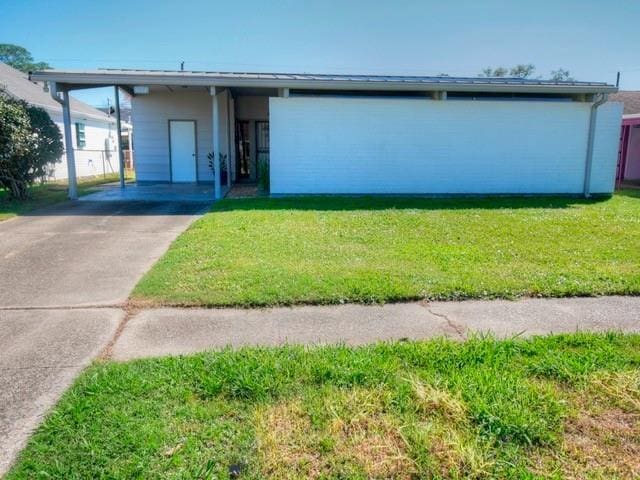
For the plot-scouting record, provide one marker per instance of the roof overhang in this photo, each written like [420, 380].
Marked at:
[85, 79]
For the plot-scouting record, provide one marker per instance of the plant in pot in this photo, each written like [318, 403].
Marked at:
[222, 159]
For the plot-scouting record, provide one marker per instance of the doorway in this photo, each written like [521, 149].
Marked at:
[262, 142]
[243, 151]
[182, 151]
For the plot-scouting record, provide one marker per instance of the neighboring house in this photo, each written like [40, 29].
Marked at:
[629, 151]
[354, 134]
[127, 133]
[94, 137]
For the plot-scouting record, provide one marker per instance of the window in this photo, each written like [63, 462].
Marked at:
[80, 137]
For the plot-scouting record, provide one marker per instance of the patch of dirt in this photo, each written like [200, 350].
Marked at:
[602, 439]
[607, 443]
[283, 445]
[357, 436]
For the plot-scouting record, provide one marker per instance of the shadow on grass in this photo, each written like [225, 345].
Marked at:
[367, 202]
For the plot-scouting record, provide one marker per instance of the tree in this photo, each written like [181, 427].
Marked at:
[497, 72]
[30, 144]
[20, 58]
[561, 75]
[525, 70]
[522, 70]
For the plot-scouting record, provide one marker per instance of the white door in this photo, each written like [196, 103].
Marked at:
[182, 140]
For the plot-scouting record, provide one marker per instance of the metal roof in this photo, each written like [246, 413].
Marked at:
[17, 84]
[317, 81]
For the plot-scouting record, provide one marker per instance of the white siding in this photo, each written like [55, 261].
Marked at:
[375, 145]
[151, 114]
[605, 147]
[92, 159]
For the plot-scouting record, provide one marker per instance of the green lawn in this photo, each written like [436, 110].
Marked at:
[357, 249]
[48, 194]
[553, 407]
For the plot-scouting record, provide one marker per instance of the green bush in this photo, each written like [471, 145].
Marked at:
[30, 145]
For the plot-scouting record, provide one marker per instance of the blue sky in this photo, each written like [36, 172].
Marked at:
[593, 39]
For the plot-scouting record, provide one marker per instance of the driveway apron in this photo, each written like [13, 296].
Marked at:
[64, 273]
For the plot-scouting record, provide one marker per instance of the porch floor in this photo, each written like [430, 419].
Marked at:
[159, 192]
[240, 190]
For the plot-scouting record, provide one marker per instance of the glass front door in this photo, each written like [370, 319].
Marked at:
[243, 150]
[262, 142]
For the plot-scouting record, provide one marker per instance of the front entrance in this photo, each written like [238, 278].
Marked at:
[243, 151]
[262, 143]
[252, 149]
[182, 145]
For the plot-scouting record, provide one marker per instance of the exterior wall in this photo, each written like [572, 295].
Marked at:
[151, 114]
[252, 107]
[605, 147]
[99, 155]
[632, 172]
[395, 145]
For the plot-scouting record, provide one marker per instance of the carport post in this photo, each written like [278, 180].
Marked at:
[68, 144]
[215, 124]
[119, 135]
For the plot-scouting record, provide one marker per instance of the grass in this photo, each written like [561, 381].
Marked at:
[317, 250]
[553, 407]
[48, 194]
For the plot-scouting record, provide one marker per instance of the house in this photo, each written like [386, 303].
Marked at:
[127, 133]
[629, 151]
[356, 134]
[94, 132]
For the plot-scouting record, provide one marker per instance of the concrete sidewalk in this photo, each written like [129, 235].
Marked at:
[170, 331]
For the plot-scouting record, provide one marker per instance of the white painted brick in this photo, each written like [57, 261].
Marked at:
[375, 145]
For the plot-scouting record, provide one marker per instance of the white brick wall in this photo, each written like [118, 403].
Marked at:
[375, 145]
[605, 147]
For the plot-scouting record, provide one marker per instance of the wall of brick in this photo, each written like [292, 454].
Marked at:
[395, 145]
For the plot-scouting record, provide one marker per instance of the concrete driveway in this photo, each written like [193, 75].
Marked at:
[64, 272]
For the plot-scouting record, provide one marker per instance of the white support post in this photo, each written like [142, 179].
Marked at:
[232, 139]
[228, 140]
[68, 143]
[215, 125]
[119, 135]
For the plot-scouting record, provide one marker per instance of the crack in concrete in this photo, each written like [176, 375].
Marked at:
[63, 307]
[130, 311]
[458, 328]
[40, 367]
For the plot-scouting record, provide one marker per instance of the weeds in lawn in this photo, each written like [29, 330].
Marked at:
[556, 407]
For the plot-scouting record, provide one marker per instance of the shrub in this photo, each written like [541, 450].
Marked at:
[30, 144]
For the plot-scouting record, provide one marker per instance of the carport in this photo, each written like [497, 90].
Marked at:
[60, 93]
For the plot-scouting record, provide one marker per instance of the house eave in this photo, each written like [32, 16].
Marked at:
[76, 79]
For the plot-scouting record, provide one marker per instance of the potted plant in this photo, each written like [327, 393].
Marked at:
[222, 159]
